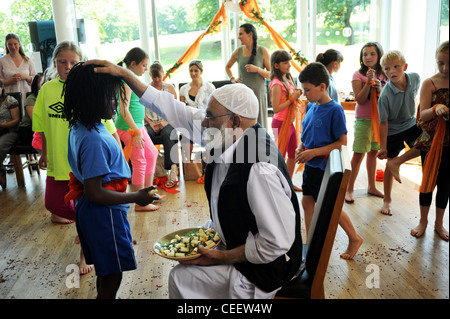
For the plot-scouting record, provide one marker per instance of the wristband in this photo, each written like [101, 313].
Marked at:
[232, 78]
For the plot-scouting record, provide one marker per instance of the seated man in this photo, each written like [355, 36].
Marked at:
[253, 205]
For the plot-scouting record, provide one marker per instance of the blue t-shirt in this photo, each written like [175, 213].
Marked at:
[398, 107]
[92, 154]
[323, 124]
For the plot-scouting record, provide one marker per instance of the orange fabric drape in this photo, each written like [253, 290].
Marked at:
[218, 24]
[251, 10]
[127, 149]
[161, 182]
[374, 113]
[76, 188]
[293, 114]
[433, 159]
[299, 119]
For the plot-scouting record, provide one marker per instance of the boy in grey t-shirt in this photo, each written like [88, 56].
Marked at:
[397, 108]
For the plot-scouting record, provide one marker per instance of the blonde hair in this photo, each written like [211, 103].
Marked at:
[444, 48]
[52, 73]
[391, 56]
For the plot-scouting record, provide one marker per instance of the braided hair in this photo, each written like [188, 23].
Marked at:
[91, 97]
[248, 27]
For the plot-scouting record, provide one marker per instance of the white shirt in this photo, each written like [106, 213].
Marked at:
[268, 190]
[201, 99]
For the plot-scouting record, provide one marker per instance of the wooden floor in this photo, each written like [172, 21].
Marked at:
[36, 255]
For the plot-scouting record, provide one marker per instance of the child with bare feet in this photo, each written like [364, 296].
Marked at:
[369, 74]
[100, 190]
[396, 107]
[324, 129]
[139, 148]
[53, 129]
[434, 107]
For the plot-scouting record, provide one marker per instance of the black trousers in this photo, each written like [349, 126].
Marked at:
[442, 182]
[163, 137]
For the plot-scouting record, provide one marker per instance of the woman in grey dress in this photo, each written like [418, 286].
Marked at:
[254, 67]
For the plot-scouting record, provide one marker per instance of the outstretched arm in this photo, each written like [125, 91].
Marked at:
[185, 119]
[110, 68]
[95, 193]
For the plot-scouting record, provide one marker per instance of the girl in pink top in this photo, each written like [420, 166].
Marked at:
[369, 71]
[283, 94]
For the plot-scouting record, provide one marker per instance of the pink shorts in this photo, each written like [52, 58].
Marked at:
[292, 142]
[143, 160]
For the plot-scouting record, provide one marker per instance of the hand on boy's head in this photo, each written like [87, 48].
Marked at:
[106, 67]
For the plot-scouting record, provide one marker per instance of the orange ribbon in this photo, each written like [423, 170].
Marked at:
[433, 159]
[218, 24]
[76, 188]
[374, 112]
[292, 115]
[127, 149]
[251, 10]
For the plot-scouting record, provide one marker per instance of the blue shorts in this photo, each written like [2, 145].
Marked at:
[312, 179]
[105, 238]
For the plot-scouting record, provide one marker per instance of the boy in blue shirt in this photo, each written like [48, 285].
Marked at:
[397, 108]
[99, 178]
[324, 129]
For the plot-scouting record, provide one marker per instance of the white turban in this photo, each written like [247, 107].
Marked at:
[239, 99]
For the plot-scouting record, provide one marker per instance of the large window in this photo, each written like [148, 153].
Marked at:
[444, 31]
[180, 23]
[343, 26]
[117, 24]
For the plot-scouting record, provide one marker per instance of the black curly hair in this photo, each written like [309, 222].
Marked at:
[91, 97]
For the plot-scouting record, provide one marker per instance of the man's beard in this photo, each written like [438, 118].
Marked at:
[218, 138]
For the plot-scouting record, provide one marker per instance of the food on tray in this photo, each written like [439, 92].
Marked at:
[187, 245]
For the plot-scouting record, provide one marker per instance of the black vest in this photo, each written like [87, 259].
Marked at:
[236, 217]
